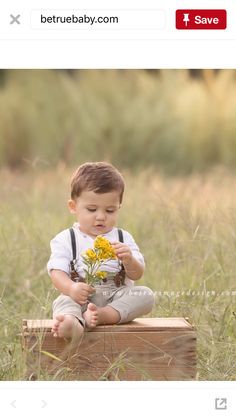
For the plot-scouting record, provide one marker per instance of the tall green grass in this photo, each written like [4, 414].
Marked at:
[135, 118]
[185, 227]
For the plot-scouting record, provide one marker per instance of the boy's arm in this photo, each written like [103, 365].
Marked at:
[78, 291]
[59, 267]
[134, 269]
[61, 281]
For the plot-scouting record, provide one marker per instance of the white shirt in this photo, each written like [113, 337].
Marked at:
[61, 251]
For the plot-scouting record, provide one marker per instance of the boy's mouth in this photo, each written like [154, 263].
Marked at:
[100, 226]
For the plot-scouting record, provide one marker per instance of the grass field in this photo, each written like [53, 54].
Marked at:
[183, 124]
[186, 228]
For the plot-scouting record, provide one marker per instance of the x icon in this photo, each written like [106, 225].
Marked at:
[15, 19]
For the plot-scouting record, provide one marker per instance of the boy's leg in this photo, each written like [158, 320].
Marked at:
[68, 321]
[108, 315]
[98, 308]
[132, 302]
[119, 305]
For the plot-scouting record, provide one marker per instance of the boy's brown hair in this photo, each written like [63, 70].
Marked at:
[99, 177]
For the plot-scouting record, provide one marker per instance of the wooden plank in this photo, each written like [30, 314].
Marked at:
[144, 343]
[153, 324]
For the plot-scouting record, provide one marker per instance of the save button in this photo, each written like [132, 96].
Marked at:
[201, 19]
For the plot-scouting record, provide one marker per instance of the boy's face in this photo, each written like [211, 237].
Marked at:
[96, 213]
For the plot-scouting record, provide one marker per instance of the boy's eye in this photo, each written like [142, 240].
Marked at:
[109, 211]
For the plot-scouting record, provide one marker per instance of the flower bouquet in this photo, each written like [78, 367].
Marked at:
[94, 258]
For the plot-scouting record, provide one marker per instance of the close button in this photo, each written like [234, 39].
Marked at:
[187, 19]
[15, 19]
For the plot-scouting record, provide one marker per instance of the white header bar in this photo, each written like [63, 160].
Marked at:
[145, 35]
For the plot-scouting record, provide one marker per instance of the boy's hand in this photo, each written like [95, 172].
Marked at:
[123, 252]
[80, 291]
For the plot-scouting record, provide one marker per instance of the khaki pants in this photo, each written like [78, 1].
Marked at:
[130, 302]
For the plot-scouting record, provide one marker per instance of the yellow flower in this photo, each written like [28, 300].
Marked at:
[94, 258]
[101, 274]
[91, 255]
[104, 248]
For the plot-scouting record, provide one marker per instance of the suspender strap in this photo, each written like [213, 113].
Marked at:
[120, 234]
[120, 277]
[73, 273]
[73, 243]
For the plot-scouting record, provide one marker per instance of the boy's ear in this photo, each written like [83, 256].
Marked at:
[71, 205]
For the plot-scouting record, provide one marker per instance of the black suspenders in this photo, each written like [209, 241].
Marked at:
[120, 234]
[73, 243]
[119, 278]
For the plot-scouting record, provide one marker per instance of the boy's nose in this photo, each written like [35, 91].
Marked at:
[100, 216]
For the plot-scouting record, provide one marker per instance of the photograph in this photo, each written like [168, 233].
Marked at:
[118, 224]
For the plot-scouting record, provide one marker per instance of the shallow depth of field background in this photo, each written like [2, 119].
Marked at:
[172, 133]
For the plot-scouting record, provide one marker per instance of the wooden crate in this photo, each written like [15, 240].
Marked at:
[145, 349]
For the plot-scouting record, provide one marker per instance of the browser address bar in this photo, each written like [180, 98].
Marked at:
[98, 19]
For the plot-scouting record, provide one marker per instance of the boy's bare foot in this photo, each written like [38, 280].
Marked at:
[91, 315]
[66, 326]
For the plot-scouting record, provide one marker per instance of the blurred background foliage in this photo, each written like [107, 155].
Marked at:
[176, 121]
